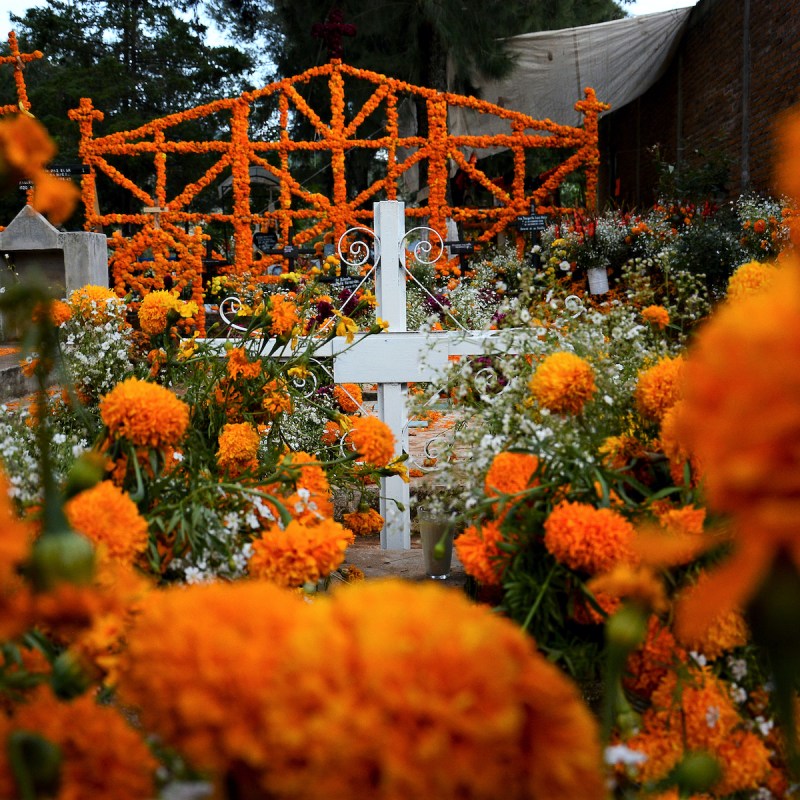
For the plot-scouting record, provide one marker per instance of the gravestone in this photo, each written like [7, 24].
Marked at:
[67, 260]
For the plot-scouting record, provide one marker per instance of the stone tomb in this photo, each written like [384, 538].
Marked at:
[67, 260]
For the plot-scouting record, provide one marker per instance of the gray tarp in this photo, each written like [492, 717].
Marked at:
[620, 60]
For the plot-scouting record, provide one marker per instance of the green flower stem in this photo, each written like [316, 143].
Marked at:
[535, 607]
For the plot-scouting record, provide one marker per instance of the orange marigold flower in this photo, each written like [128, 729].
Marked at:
[25, 144]
[478, 551]
[348, 396]
[697, 714]
[488, 705]
[675, 448]
[55, 197]
[215, 644]
[239, 365]
[305, 492]
[563, 383]
[58, 311]
[107, 516]
[726, 631]
[283, 315]
[16, 538]
[364, 523]
[750, 278]
[330, 433]
[102, 755]
[238, 448]
[96, 305]
[154, 310]
[658, 316]
[618, 452]
[649, 663]
[300, 553]
[740, 417]
[636, 585]
[678, 539]
[277, 399]
[659, 387]
[372, 439]
[510, 473]
[146, 414]
[588, 539]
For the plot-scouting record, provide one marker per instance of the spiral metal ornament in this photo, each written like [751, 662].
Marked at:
[423, 248]
[358, 250]
[231, 305]
[574, 304]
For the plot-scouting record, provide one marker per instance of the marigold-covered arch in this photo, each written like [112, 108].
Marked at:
[338, 128]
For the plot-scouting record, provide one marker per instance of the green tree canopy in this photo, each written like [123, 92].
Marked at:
[136, 59]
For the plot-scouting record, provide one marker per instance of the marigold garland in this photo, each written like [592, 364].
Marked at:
[563, 383]
[146, 414]
[589, 539]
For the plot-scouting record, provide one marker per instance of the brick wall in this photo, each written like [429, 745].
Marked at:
[717, 100]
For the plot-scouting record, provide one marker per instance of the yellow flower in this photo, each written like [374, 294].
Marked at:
[563, 383]
[345, 327]
[146, 414]
[751, 277]
[154, 311]
[96, 305]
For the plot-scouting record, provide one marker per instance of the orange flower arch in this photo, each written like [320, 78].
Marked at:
[337, 129]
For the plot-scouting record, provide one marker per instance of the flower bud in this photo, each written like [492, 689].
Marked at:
[627, 628]
[63, 556]
[697, 773]
[69, 679]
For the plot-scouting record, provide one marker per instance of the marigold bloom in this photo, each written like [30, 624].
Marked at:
[372, 439]
[283, 316]
[742, 419]
[59, 312]
[639, 586]
[563, 383]
[25, 144]
[750, 278]
[588, 539]
[107, 516]
[300, 553]
[16, 538]
[239, 365]
[648, 664]
[726, 631]
[678, 539]
[658, 316]
[238, 448]
[146, 414]
[697, 714]
[478, 551]
[154, 310]
[348, 396]
[510, 473]
[659, 387]
[364, 523]
[96, 305]
[241, 684]
[676, 449]
[102, 756]
[276, 399]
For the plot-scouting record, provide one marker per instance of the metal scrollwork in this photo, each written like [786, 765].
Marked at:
[358, 250]
[231, 306]
[423, 248]
[574, 304]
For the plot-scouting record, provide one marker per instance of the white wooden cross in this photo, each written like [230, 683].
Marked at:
[397, 357]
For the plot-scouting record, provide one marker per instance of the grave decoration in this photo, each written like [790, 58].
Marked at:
[338, 130]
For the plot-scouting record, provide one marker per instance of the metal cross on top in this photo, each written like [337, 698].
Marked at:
[332, 30]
